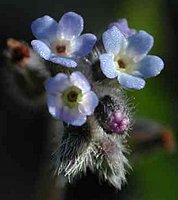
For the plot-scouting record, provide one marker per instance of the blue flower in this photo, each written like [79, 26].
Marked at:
[61, 42]
[122, 25]
[70, 98]
[127, 58]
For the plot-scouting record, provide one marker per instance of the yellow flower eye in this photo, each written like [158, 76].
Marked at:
[72, 96]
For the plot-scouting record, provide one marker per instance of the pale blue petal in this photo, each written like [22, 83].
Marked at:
[122, 25]
[113, 40]
[41, 48]
[84, 44]
[139, 45]
[61, 112]
[79, 120]
[55, 105]
[89, 103]
[131, 82]
[79, 80]
[70, 26]
[150, 66]
[137, 73]
[67, 62]
[107, 65]
[44, 28]
[57, 84]
[73, 116]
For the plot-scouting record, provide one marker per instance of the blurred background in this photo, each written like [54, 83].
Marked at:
[23, 132]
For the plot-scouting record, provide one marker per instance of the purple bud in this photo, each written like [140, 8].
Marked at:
[122, 25]
[118, 122]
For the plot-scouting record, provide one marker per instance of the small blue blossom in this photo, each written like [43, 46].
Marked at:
[70, 98]
[61, 42]
[122, 25]
[127, 58]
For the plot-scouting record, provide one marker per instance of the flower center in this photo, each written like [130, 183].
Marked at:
[124, 64]
[61, 49]
[121, 64]
[72, 96]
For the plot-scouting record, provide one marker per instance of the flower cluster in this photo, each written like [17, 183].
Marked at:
[95, 114]
[125, 59]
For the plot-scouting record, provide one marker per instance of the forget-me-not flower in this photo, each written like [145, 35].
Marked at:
[127, 58]
[70, 98]
[61, 42]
